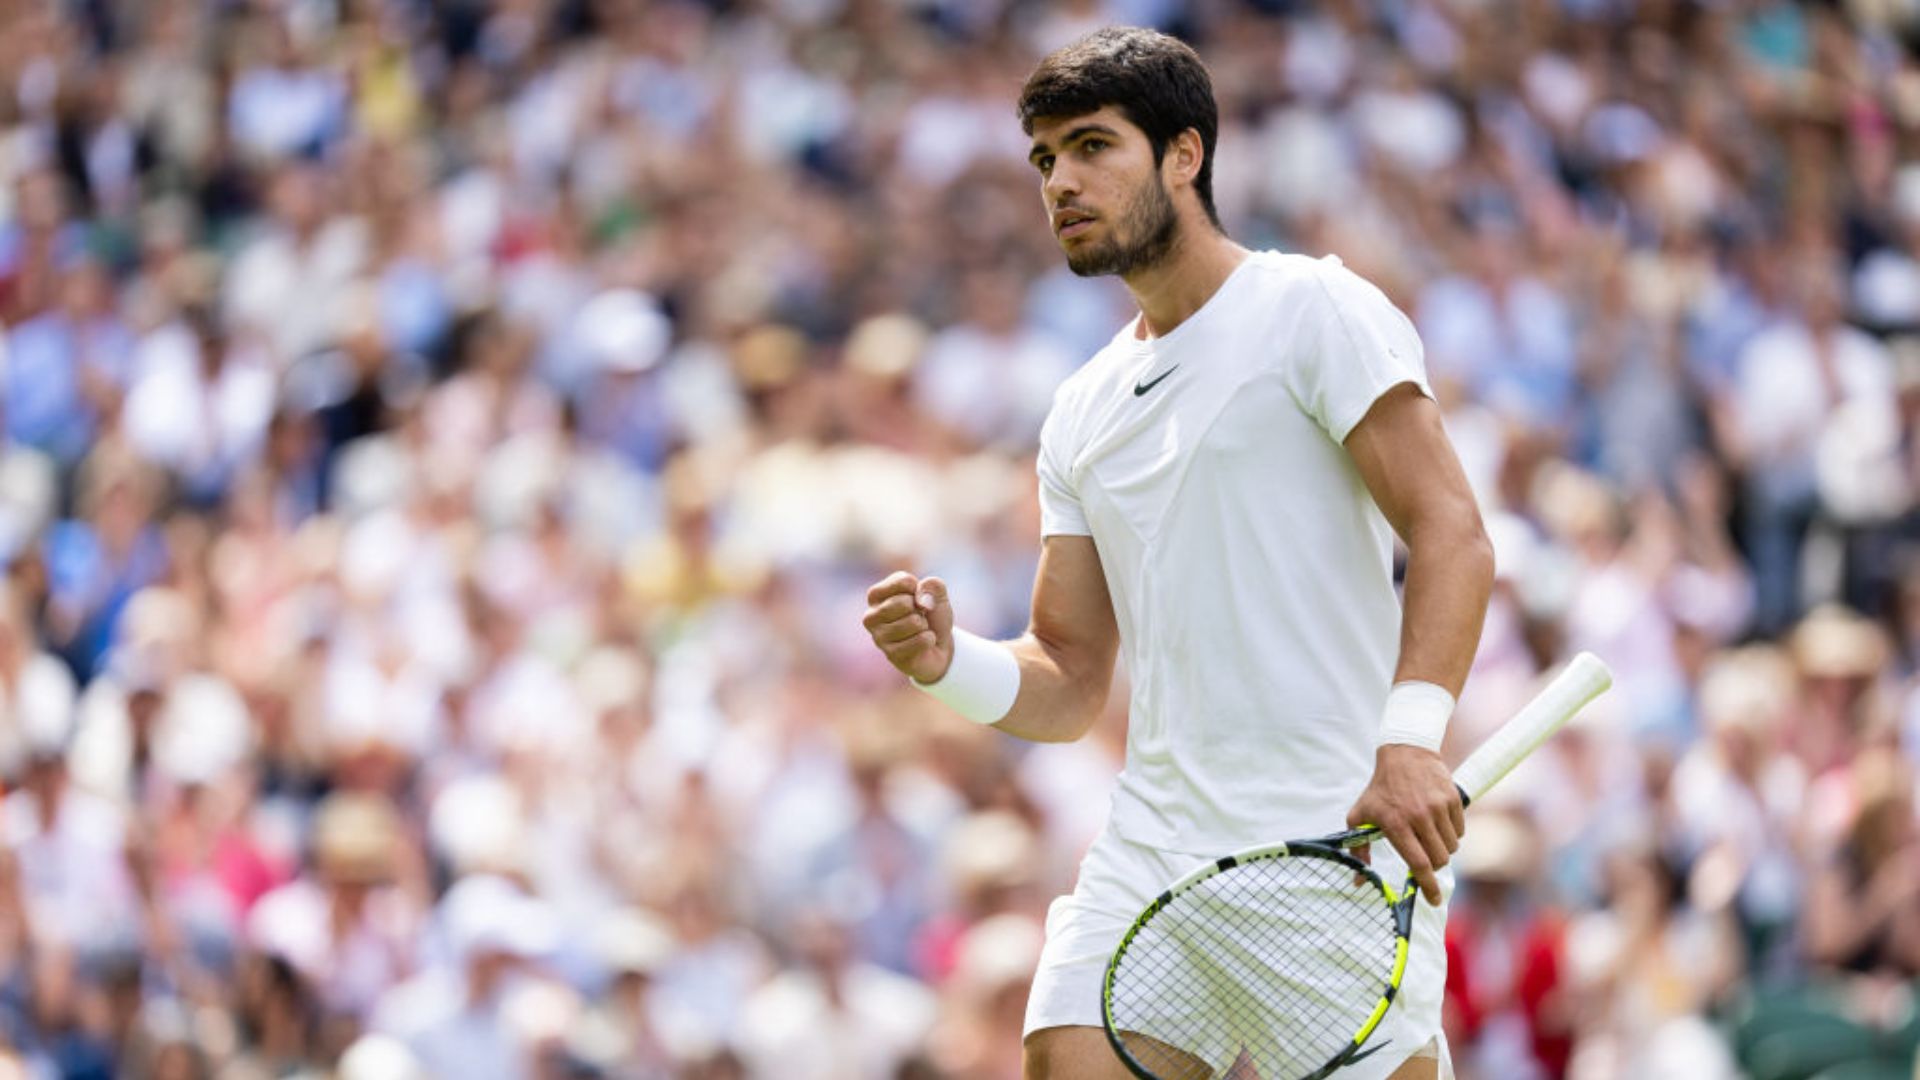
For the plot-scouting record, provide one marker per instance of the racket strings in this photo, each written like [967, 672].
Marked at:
[1268, 969]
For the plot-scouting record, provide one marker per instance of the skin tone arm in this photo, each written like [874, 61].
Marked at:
[1066, 656]
[1410, 468]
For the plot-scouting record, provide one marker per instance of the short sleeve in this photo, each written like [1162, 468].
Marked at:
[1060, 510]
[1358, 346]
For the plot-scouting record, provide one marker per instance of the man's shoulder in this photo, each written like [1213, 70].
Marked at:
[1339, 299]
[1313, 282]
[1289, 291]
[1287, 271]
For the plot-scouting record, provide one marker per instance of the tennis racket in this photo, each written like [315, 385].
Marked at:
[1278, 962]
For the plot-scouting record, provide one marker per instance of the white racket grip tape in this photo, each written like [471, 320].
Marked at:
[1583, 680]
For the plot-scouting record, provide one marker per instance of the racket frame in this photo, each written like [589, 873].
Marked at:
[1335, 849]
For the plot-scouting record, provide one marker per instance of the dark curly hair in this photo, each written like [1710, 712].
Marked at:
[1156, 80]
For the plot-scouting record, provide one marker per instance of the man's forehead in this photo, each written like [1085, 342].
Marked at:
[1047, 129]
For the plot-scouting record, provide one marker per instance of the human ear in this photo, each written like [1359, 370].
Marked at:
[1184, 156]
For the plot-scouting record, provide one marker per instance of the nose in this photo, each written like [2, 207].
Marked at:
[1060, 184]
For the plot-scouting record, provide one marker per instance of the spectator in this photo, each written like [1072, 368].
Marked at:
[830, 1014]
[456, 1015]
[1860, 904]
[68, 367]
[347, 924]
[1507, 997]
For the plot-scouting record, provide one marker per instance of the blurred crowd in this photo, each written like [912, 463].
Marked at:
[444, 446]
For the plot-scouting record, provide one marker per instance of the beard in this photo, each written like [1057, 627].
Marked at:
[1153, 226]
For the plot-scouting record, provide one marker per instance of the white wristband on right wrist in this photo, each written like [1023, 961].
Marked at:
[982, 681]
[1416, 714]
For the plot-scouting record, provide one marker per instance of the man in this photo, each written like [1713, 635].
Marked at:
[1216, 489]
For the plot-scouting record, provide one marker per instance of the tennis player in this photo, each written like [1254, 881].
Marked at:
[1217, 490]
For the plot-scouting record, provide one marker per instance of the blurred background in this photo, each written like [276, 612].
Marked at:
[445, 445]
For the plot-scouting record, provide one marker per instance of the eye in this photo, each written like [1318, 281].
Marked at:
[1093, 146]
[1044, 163]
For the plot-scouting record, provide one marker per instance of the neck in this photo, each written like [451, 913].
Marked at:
[1171, 290]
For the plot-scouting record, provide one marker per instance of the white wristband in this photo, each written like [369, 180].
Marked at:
[982, 681]
[1416, 714]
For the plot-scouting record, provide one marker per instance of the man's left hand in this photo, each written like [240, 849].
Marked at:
[1413, 801]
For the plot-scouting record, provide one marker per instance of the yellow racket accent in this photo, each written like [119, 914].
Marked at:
[1393, 985]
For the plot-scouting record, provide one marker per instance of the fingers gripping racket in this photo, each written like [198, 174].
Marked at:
[1280, 961]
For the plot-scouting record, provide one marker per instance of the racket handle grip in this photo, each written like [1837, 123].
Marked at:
[1583, 680]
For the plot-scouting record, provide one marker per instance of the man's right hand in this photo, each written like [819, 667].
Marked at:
[912, 623]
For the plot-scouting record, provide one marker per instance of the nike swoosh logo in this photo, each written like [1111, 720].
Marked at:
[1140, 389]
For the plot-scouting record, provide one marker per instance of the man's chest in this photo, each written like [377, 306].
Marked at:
[1168, 431]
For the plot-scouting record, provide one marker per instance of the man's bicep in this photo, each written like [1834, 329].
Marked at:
[1072, 611]
[1407, 462]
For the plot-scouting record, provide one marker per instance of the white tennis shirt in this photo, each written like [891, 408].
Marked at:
[1251, 572]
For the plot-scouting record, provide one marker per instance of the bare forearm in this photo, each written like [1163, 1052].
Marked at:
[1064, 660]
[1059, 700]
[1449, 577]
[1410, 469]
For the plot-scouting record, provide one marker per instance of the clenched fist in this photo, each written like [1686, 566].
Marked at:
[912, 623]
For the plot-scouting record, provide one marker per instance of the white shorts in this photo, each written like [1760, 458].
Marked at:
[1119, 878]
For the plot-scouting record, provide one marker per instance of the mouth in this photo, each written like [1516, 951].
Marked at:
[1072, 223]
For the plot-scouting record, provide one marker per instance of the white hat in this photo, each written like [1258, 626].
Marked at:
[380, 1057]
[610, 677]
[634, 941]
[886, 346]
[623, 330]
[1746, 689]
[204, 731]
[485, 913]
[1496, 847]
[374, 555]
[476, 824]
[44, 712]
[999, 950]
[994, 847]
[542, 1013]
